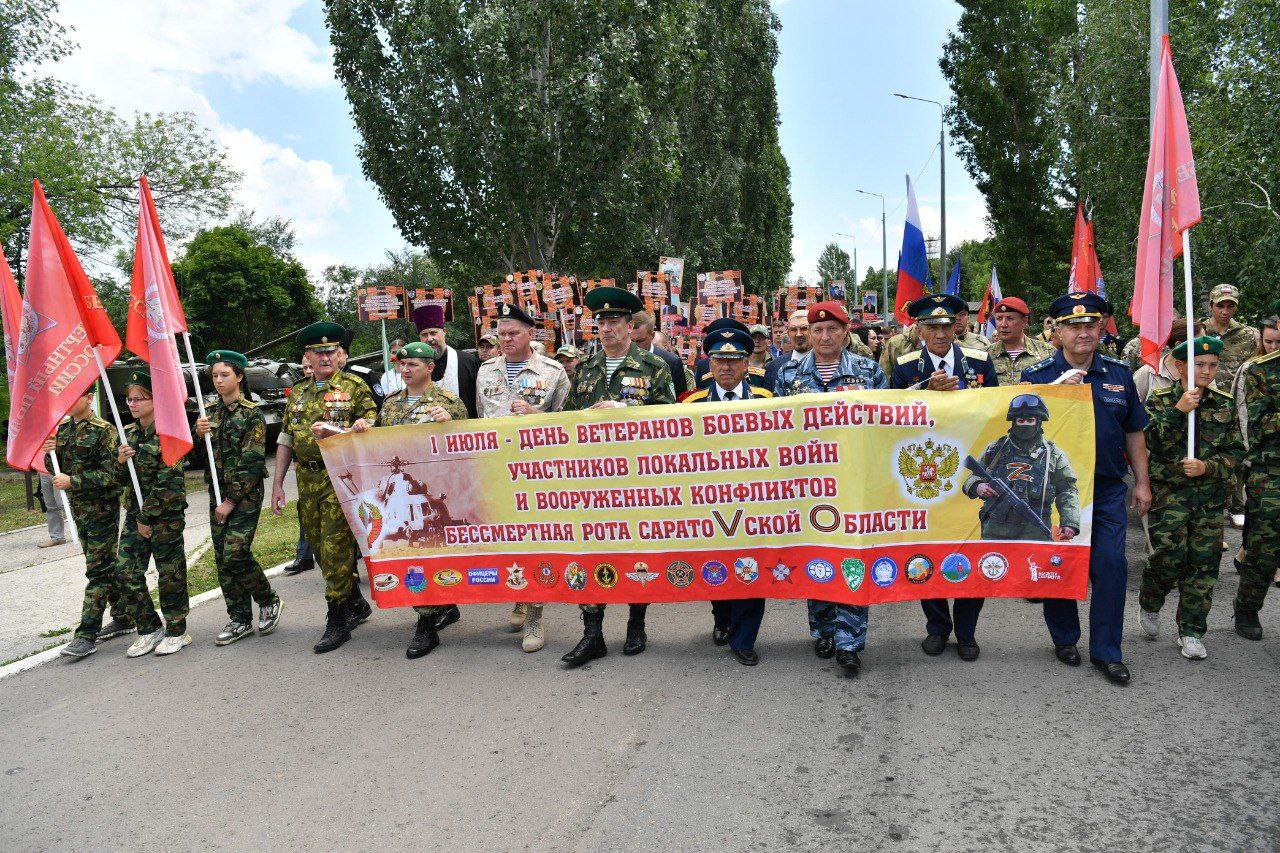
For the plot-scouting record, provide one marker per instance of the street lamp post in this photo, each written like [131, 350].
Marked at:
[884, 258]
[942, 160]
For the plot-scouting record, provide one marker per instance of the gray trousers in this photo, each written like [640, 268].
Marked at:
[53, 508]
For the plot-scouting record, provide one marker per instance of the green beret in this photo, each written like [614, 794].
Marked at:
[1203, 345]
[613, 302]
[417, 350]
[322, 336]
[141, 377]
[229, 356]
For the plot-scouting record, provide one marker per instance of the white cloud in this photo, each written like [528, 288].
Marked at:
[277, 182]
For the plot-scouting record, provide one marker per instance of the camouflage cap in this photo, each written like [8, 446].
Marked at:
[1224, 293]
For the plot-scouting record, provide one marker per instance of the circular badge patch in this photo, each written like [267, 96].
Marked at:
[854, 571]
[884, 571]
[919, 569]
[715, 572]
[820, 571]
[448, 577]
[956, 567]
[386, 581]
[606, 576]
[575, 577]
[993, 566]
[546, 575]
[746, 569]
[680, 574]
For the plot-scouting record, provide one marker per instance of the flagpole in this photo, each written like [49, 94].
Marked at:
[208, 441]
[386, 350]
[1191, 334]
[62, 493]
[115, 413]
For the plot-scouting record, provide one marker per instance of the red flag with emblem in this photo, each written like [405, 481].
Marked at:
[10, 312]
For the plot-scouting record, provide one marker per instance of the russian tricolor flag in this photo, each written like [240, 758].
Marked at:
[913, 263]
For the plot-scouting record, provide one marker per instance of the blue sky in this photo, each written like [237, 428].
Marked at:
[257, 73]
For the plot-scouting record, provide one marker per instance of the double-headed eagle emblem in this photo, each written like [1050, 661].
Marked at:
[927, 469]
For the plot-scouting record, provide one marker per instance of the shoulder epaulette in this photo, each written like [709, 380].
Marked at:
[914, 355]
[1117, 362]
[761, 392]
[1044, 362]
[1268, 357]
[697, 396]
[96, 421]
[1161, 392]
[247, 403]
[1215, 389]
[977, 354]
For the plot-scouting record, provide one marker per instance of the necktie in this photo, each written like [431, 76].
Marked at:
[730, 395]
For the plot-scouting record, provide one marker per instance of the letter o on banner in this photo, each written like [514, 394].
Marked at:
[824, 527]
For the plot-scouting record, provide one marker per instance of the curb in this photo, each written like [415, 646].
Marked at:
[41, 658]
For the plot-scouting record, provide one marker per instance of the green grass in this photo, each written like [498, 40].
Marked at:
[13, 502]
[276, 540]
[29, 654]
[55, 632]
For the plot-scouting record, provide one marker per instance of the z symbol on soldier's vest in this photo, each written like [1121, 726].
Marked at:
[928, 469]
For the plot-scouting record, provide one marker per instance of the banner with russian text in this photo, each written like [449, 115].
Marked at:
[859, 497]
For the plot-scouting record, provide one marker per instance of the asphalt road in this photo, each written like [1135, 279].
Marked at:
[264, 745]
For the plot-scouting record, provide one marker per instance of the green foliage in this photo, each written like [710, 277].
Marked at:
[239, 293]
[573, 135]
[834, 264]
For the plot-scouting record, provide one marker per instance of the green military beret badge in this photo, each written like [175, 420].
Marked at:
[1203, 345]
[228, 356]
[417, 350]
[141, 378]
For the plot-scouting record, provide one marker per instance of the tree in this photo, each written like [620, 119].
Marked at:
[238, 293]
[834, 264]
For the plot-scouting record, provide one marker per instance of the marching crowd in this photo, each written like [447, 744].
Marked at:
[1141, 425]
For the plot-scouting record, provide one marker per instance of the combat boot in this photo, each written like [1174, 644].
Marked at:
[591, 646]
[1248, 626]
[447, 617]
[636, 639]
[425, 638]
[518, 616]
[534, 636]
[336, 631]
[358, 610]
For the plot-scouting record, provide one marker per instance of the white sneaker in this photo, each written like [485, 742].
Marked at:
[517, 617]
[1193, 648]
[169, 645]
[1237, 520]
[1150, 624]
[534, 635]
[145, 644]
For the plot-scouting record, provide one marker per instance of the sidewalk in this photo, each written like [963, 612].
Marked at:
[42, 588]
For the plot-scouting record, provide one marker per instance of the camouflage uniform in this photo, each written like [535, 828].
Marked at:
[87, 454]
[342, 400]
[643, 379]
[1009, 369]
[1041, 475]
[239, 435]
[857, 347]
[971, 341]
[163, 510]
[542, 383]
[1262, 543]
[397, 411]
[1186, 512]
[844, 623]
[900, 344]
[1239, 343]
[1131, 355]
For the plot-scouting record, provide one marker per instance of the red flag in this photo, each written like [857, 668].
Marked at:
[96, 322]
[1081, 279]
[10, 311]
[155, 315]
[53, 356]
[1170, 205]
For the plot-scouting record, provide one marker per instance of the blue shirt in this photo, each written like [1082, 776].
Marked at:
[1117, 409]
[856, 372]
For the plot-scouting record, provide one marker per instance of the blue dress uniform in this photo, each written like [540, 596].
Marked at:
[835, 627]
[702, 379]
[1117, 411]
[974, 369]
[736, 620]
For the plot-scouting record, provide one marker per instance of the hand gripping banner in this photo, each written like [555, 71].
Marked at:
[859, 497]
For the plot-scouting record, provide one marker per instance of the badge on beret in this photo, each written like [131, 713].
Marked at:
[822, 315]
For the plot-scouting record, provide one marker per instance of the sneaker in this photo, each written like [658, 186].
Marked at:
[114, 628]
[517, 617]
[51, 543]
[1150, 624]
[269, 617]
[1193, 648]
[80, 647]
[534, 635]
[169, 645]
[1237, 520]
[234, 631]
[145, 644]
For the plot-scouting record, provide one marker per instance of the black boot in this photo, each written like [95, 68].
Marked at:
[425, 638]
[1248, 626]
[358, 609]
[447, 617]
[591, 646]
[298, 566]
[636, 638]
[336, 631]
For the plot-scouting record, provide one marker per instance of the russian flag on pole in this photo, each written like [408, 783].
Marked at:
[913, 263]
[986, 313]
[953, 283]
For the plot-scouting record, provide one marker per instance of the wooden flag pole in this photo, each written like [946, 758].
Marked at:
[208, 441]
[1189, 306]
[115, 414]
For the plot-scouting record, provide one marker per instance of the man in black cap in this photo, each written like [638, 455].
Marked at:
[455, 370]
[703, 377]
[618, 374]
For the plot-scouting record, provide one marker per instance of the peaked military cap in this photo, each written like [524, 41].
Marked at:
[936, 309]
[613, 302]
[1203, 345]
[227, 355]
[507, 311]
[724, 323]
[417, 350]
[141, 377]
[324, 336]
[1079, 308]
[729, 343]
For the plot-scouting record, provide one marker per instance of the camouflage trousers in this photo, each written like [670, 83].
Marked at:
[99, 526]
[165, 545]
[1262, 538]
[326, 528]
[844, 623]
[1186, 542]
[239, 572]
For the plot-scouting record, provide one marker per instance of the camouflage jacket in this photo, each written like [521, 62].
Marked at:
[855, 373]
[1239, 343]
[164, 491]
[1009, 369]
[643, 379]
[343, 400]
[1041, 475]
[542, 383]
[87, 454]
[1218, 442]
[1262, 407]
[397, 410]
[239, 436]
[900, 344]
